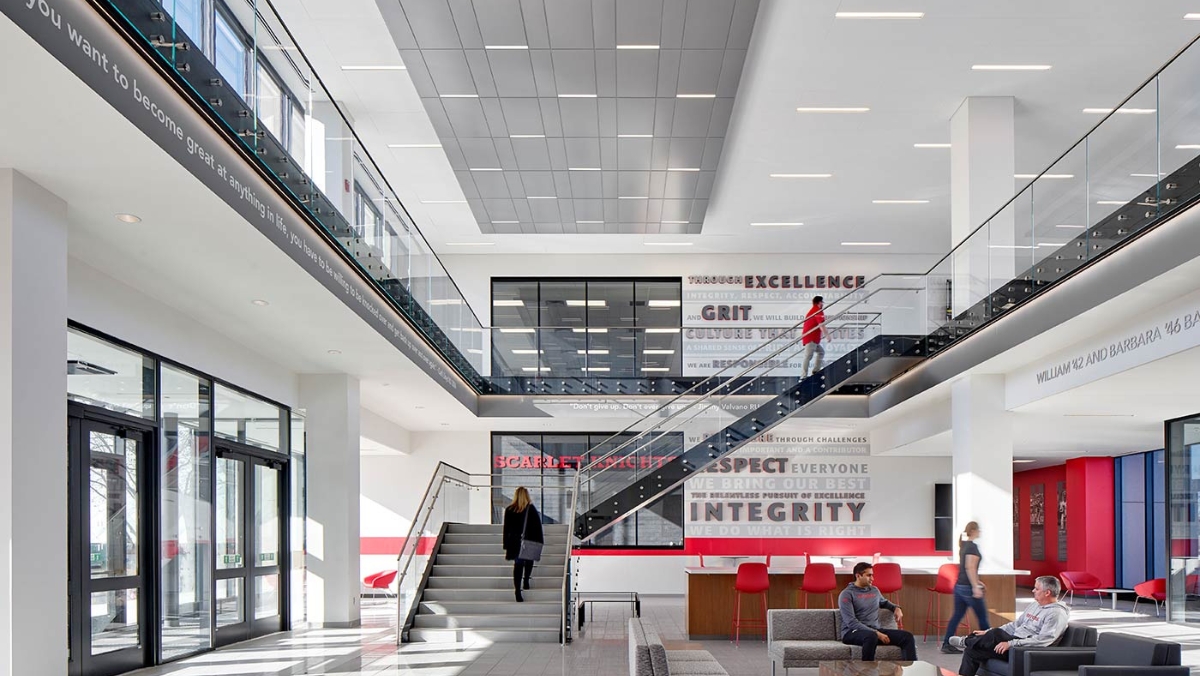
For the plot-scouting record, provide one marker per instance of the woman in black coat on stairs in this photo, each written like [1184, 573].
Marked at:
[521, 514]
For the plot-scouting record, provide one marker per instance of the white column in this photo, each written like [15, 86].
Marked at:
[331, 408]
[33, 428]
[982, 164]
[981, 438]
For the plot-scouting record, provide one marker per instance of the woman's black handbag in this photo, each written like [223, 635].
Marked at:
[530, 550]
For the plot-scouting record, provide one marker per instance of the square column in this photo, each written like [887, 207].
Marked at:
[982, 165]
[33, 428]
[330, 404]
[981, 438]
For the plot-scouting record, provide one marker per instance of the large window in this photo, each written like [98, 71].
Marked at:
[1140, 506]
[1183, 476]
[545, 464]
[616, 328]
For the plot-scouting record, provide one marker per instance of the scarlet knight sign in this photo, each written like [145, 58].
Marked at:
[727, 316]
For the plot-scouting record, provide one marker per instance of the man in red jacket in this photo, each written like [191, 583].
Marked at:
[812, 331]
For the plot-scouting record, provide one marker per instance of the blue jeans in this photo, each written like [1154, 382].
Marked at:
[963, 599]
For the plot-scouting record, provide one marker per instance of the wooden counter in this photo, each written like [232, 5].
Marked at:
[710, 599]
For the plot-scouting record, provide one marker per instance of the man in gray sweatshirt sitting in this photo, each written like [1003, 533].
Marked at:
[859, 604]
[1041, 624]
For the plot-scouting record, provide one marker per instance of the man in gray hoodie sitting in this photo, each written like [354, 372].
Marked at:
[859, 604]
[1041, 624]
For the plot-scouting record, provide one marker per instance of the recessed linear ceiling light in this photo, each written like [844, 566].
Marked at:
[518, 330]
[487, 169]
[1011, 246]
[931, 145]
[658, 351]
[1022, 462]
[663, 330]
[1018, 67]
[589, 330]
[655, 369]
[374, 68]
[1121, 111]
[674, 222]
[695, 96]
[1069, 226]
[508, 303]
[899, 201]
[589, 222]
[879, 15]
[128, 218]
[866, 243]
[776, 224]
[470, 244]
[1110, 202]
[1147, 175]
[529, 352]
[590, 303]
[591, 351]
[583, 168]
[1192, 16]
[597, 369]
[541, 197]
[443, 201]
[458, 96]
[474, 350]
[832, 110]
[801, 175]
[576, 96]
[506, 46]
[535, 369]
[637, 46]
[635, 135]
[1044, 176]
[633, 197]
[414, 145]
[683, 168]
[527, 136]
[446, 301]
[668, 243]
[505, 222]
[662, 303]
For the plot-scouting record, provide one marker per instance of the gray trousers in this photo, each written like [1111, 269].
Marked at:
[809, 350]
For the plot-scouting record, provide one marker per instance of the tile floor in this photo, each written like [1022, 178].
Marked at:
[599, 649]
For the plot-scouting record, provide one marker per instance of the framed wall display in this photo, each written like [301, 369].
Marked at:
[1037, 522]
[1016, 523]
[1062, 521]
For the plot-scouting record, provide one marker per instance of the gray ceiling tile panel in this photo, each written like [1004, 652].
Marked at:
[493, 112]
[700, 70]
[706, 25]
[570, 23]
[533, 12]
[500, 22]
[512, 72]
[572, 50]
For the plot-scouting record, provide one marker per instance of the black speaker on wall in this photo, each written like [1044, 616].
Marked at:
[943, 517]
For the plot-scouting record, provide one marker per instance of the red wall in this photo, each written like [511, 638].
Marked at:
[1090, 539]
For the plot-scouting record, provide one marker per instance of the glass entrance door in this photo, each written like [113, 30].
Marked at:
[248, 540]
[108, 599]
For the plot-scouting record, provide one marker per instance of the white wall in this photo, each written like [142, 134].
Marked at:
[108, 305]
[473, 272]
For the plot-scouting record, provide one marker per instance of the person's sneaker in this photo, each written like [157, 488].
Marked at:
[951, 650]
[958, 642]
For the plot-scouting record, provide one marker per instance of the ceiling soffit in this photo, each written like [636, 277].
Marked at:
[567, 130]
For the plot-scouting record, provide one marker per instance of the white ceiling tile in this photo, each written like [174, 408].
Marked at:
[500, 22]
[673, 14]
[604, 24]
[699, 70]
[532, 155]
[493, 111]
[536, 31]
[668, 73]
[707, 24]
[512, 72]
[638, 22]
[570, 23]
[466, 24]
[432, 23]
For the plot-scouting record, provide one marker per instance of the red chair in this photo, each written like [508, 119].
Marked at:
[1082, 582]
[889, 580]
[946, 578]
[819, 578]
[1155, 590]
[701, 560]
[381, 581]
[768, 560]
[751, 579]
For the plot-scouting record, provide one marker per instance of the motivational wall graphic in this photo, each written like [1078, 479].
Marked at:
[1037, 523]
[727, 316]
[786, 485]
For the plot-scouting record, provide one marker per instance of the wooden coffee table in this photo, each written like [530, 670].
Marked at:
[880, 668]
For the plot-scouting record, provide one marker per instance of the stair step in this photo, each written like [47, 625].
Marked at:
[432, 635]
[503, 582]
[558, 551]
[474, 528]
[494, 540]
[500, 595]
[493, 558]
[539, 571]
[504, 606]
[513, 621]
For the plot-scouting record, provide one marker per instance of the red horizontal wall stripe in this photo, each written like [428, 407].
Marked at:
[377, 546]
[784, 547]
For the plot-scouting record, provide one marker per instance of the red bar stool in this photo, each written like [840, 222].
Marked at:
[751, 579]
[947, 577]
[889, 580]
[819, 578]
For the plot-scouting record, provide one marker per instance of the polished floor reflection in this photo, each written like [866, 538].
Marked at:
[599, 650]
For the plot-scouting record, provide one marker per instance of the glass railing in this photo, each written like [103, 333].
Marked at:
[239, 61]
[1137, 167]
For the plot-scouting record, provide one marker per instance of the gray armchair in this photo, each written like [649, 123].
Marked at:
[1115, 654]
[1076, 636]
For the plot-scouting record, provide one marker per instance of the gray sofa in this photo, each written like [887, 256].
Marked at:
[1076, 636]
[648, 657]
[1115, 654]
[802, 638]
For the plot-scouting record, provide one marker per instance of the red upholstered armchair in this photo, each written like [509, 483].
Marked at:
[1155, 590]
[1080, 581]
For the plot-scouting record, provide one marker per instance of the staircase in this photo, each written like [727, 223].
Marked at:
[469, 592]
